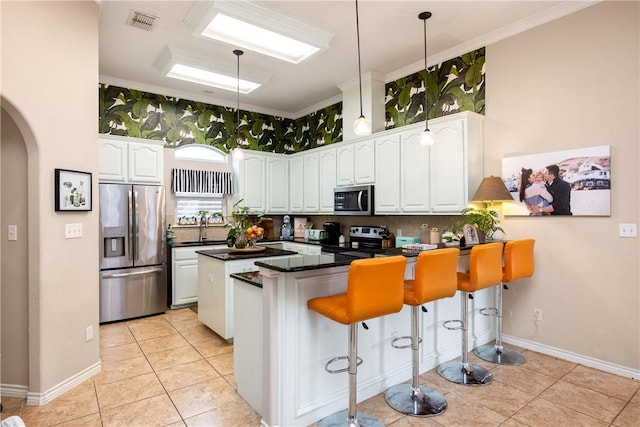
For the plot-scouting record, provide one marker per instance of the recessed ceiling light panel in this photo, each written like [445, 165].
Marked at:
[253, 27]
[183, 65]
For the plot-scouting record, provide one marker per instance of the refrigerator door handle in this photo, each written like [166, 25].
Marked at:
[133, 273]
[136, 235]
[130, 220]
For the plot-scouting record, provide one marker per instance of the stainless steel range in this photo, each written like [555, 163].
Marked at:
[367, 237]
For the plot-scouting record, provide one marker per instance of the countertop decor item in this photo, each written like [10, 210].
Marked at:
[486, 220]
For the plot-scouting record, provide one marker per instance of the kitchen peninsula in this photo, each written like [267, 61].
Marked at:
[281, 347]
[215, 287]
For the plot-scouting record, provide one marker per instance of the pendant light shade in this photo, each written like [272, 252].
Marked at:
[362, 126]
[238, 151]
[427, 137]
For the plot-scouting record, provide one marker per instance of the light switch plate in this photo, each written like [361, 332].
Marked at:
[72, 231]
[628, 230]
[12, 233]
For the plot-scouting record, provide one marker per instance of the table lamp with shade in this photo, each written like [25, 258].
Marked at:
[493, 192]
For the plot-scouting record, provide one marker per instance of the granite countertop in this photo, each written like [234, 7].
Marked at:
[198, 243]
[251, 277]
[230, 255]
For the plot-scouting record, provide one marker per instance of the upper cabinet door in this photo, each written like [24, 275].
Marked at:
[448, 184]
[146, 163]
[252, 178]
[414, 167]
[296, 180]
[364, 162]
[277, 185]
[387, 176]
[327, 179]
[345, 173]
[112, 160]
[311, 183]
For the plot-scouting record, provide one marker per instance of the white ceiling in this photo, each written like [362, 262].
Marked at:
[391, 37]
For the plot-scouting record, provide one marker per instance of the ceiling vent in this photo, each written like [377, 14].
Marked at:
[141, 20]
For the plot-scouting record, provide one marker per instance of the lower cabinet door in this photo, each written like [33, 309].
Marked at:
[185, 282]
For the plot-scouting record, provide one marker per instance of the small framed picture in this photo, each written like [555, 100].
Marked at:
[72, 190]
[470, 234]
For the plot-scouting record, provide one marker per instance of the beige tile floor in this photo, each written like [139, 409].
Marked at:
[171, 370]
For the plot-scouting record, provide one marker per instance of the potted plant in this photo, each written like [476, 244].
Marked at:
[487, 221]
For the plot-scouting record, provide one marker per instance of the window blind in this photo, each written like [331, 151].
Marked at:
[199, 181]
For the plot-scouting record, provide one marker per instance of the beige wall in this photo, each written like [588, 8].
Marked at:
[568, 84]
[14, 311]
[42, 58]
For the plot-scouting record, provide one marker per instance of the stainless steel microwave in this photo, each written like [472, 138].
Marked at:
[353, 200]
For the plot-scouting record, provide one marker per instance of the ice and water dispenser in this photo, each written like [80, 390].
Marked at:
[113, 241]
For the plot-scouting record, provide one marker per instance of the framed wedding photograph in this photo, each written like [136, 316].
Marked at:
[72, 190]
[470, 234]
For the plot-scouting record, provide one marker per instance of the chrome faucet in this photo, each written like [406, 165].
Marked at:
[202, 235]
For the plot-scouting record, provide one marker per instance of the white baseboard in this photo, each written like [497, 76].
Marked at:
[14, 390]
[573, 357]
[66, 385]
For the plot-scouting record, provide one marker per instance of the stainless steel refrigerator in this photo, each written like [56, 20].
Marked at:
[133, 269]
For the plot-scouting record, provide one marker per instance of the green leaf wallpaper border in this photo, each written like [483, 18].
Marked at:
[455, 85]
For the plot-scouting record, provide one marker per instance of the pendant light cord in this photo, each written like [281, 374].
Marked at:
[359, 66]
[424, 16]
[238, 52]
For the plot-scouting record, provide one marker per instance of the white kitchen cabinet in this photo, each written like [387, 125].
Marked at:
[130, 160]
[184, 274]
[310, 184]
[296, 183]
[456, 161]
[326, 179]
[277, 184]
[413, 179]
[355, 162]
[364, 162]
[250, 180]
[345, 171]
[387, 176]
[215, 291]
[302, 248]
[414, 169]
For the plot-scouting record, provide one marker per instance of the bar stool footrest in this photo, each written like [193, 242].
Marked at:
[340, 419]
[453, 328]
[336, 359]
[422, 402]
[407, 337]
[489, 311]
[455, 372]
[504, 356]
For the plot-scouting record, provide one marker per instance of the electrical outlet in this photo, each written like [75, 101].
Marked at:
[88, 333]
[537, 314]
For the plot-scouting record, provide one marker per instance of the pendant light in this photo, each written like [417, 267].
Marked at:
[427, 137]
[362, 126]
[237, 152]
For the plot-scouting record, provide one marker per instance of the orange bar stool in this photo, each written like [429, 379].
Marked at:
[374, 289]
[435, 278]
[485, 270]
[518, 264]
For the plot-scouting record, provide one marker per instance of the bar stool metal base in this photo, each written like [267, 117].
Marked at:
[501, 356]
[423, 403]
[455, 372]
[340, 419]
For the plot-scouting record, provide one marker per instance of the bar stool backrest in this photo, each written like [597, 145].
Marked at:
[375, 287]
[518, 259]
[436, 275]
[485, 266]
